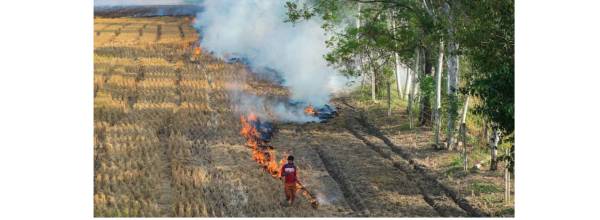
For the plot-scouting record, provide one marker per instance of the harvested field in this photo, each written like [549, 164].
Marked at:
[167, 140]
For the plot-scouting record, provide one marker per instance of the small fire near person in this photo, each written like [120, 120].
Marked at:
[258, 136]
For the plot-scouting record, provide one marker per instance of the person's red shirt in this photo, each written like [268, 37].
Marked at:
[289, 172]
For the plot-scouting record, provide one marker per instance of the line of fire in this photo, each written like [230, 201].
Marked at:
[258, 137]
[259, 133]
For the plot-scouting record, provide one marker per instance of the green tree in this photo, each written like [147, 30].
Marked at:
[479, 32]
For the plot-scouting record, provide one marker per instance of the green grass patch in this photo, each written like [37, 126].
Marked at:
[478, 154]
[455, 166]
[485, 188]
[363, 96]
[509, 211]
[457, 161]
[404, 127]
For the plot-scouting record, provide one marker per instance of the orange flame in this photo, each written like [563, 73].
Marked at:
[197, 51]
[265, 155]
[272, 166]
[249, 131]
[309, 110]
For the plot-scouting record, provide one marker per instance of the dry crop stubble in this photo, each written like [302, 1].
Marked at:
[166, 139]
[127, 171]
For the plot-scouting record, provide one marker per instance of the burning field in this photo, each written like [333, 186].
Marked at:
[167, 140]
[180, 132]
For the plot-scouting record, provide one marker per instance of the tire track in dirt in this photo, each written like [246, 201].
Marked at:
[354, 201]
[382, 189]
[421, 169]
[438, 203]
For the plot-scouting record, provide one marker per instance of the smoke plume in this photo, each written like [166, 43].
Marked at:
[255, 30]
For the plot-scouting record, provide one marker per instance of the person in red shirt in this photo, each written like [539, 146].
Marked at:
[289, 172]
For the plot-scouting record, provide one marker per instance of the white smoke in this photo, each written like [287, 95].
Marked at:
[326, 199]
[269, 109]
[255, 30]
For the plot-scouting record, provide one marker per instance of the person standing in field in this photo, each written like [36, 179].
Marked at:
[289, 172]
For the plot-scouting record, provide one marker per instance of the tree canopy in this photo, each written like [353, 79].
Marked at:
[483, 29]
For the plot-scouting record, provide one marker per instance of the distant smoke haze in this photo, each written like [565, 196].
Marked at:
[254, 29]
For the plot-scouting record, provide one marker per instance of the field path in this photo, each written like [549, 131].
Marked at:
[446, 200]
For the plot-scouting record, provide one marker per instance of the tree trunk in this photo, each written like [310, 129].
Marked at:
[406, 83]
[465, 111]
[359, 58]
[389, 99]
[411, 96]
[362, 83]
[509, 183]
[373, 69]
[425, 113]
[358, 17]
[507, 178]
[453, 68]
[463, 126]
[373, 84]
[494, 149]
[452, 62]
[438, 93]
[463, 134]
[392, 25]
[414, 98]
[506, 183]
[484, 133]
[401, 95]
